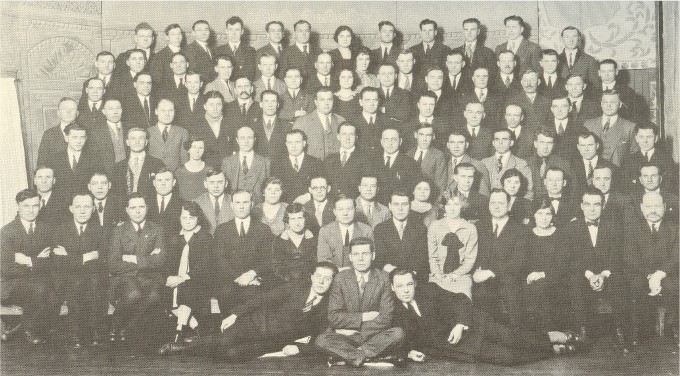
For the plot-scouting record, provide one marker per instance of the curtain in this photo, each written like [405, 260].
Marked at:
[13, 157]
[671, 81]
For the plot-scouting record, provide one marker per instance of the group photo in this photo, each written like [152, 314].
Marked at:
[392, 187]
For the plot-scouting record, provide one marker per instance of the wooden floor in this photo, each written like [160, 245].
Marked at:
[655, 357]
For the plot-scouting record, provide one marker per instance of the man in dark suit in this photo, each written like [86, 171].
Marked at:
[295, 102]
[457, 79]
[457, 148]
[174, 85]
[370, 123]
[245, 169]
[300, 54]
[244, 110]
[598, 271]
[615, 203]
[160, 69]
[651, 259]
[51, 207]
[25, 245]
[651, 180]
[215, 130]
[395, 103]
[582, 106]
[552, 84]
[360, 310]
[478, 136]
[369, 211]
[105, 63]
[426, 115]
[319, 208]
[464, 176]
[565, 128]
[165, 206]
[502, 253]
[543, 159]
[647, 139]
[344, 168]
[524, 133]
[335, 237]
[122, 82]
[135, 174]
[430, 52]
[138, 108]
[528, 53]
[564, 210]
[476, 54]
[243, 54]
[108, 207]
[407, 78]
[269, 321]
[395, 170]
[215, 203]
[615, 132]
[78, 274]
[431, 160]
[400, 242]
[189, 109]
[446, 103]
[199, 52]
[573, 60]
[297, 168]
[536, 107]
[144, 39]
[584, 165]
[242, 249]
[270, 132]
[136, 256]
[321, 76]
[634, 106]
[481, 93]
[91, 112]
[54, 139]
[504, 80]
[108, 137]
[267, 80]
[274, 46]
[387, 52]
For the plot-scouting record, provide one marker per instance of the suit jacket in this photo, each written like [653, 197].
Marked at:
[493, 108]
[216, 148]
[580, 179]
[435, 57]
[327, 216]
[169, 218]
[170, 89]
[303, 101]
[274, 146]
[497, 86]
[536, 113]
[292, 56]
[583, 65]
[528, 55]
[481, 184]
[478, 207]
[296, 183]
[291, 262]
[567, 210]
[170, 151]
[368, 137]
[13, 240]
[100, 144]
[618, 142]
[605, 255]
[505, 255]
[345, 179]
[232, 112]
[524, 143]
[200, 61]
[82, 102]
[482, 56]
[379, 214]
[239, 254]
[409, 252]
[513, 162]
[160, 66]
[481, 145]
[52, 141]
[377, 57]
[634, 106]
[401, 175]
[113, 213]
[397, 108]
[464, 84]
[259, 86]
[226, 214]
[442, 127]
[556, 90]
[330, 246]
[244, 59]
[121, 66]
[635, 160]
[535, 162]
[345, 306]
[313, 83]
[589, 109]
[565, 143]
[87, 117]
[631, 203]
[145, 183]
[69, 181]
[53, 211]
[184, 116]
[76, 246]
[250, 181]
[133, 112]
[226, 88]
[126, 241]
[434, 166]
[320, 142]
[645, 253]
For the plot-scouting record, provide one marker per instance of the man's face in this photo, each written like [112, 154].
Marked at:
[136, 141]
[347, 136]
[390, 141]
[234, 32]
[81, 208]
[369, 102]
[506, 63]
[575, 87]
[165, 112]
[179, 65]
[426, 106]
[646, 139]
[457, 145]
[29, 208]
[293, 79]
[610, 104]
[164, 182]
[480, 78]
[387, 76]
[404, 287]
[67, 112]
[136, 210]
[470, 32]
[428, 32]
[269, 104]
[76, 139]
[267, 66]
[607, 73]
[175, 37]
[243, 88]
[105, 64]
[454, 64]
[95, 90]
[302, 33]
[650, 178]
[570, 39]
[499, 205]
[213, 108]
[400, 207]
[322, 280]
[324, 102]
[587, 147]
[136, 61]
[324, 64]
[591, 205]
[144, 38]
[386, 34]
[241, 203]
[474, 113]
[143, 85]
[368, 188]
[295, 144]
[275, 33]
[653, 208]
[99, 186]
[513, 29]
[245, 138]
[344, 211]
[44, 180]
[424, 137]
[215, 184]
[560, 108]
[544, 145]
[296, 222]
[224, 69]
[405, 63]
[361, 257]
[554, 182]
[513, 116]
[464, 179]
[319, 189]
[434, 80]
[202, 32]
[602, 179]
[549, 64]
[193, 83]
[530, 82]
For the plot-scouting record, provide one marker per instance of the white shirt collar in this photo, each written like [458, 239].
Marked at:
[348, 151]
[72, 153]
[500, 222]
[27, 224]
[246, 224]
[612, 119]
[301, 46]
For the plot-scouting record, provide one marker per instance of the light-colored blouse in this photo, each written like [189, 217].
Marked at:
[467, 234]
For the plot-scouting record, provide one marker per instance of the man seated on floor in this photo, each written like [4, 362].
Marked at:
[360, 311]
[269, 321]
[445, 325]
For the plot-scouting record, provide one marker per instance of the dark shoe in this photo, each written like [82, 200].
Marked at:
[574, 338]
[32, 338]
[564, 349]
[172, 348]
[396, 360]
[192, 338]
[335, 361]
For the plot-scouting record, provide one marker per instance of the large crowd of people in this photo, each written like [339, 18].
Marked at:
[361, 204]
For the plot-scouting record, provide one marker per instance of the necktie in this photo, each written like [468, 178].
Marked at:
[370, 121]
[427, 48]
[94, 107]
[30, 228]
[407, 83]
[655, 229]
[139, 230]
[606, 126]
[147, 111]
[468, 52]
[482, 96]
[555, 202]
[328, 123]
[165, 134]
[454, 84]
[590, 172]
[507, 81]
[135, 165]
[574, 109]
[193, 104]
[304, 48]
[544, 167]
[571, 60]
[401, 230]
[362, 285]
[368, 211]
[244, 166]
[474, 132]
[278, 49]
[387, 162]
[346, 241]
[384, 53]
[308, 306]
[387, 93]
[231, 92]
[42, 203]
[161, 207]
[242, 231]
[243, 109]
[181, 82]
[499, 164]
[325, 81]
[511, 46]
[118, 130]
[293, 94]
[592, 223]
[550, 82]
[455, 162]
[269, 87]
[217, 211]
[268, 126]
[100, 207]
[344, 159]
[82, 229]
[207, 50]
[420, 158]
[495, 230]
[560, 128]
[74, 163]
[646, 154]
[296, 167]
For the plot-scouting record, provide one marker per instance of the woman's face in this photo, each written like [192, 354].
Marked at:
[188, 221]
[344, 38]
[363, 61]
[511, 185]
[453, 207]
[272, 194]
[543, 218]
[346, 79]
[196, 150]
[422, 192]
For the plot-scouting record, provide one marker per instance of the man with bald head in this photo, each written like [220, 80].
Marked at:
[321, 77]
[245, 169]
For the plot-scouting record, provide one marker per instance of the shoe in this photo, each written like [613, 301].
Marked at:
[620, 340]
[335, 361]
[564, 349]
[76, 343]
[192, 338]
[172, 348]
[113, 336]
[32, 338]
[95, 341]
[396, 360]
[574, 338]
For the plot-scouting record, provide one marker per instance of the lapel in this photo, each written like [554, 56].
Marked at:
[522, 48]
[512, 162]
[369, 290]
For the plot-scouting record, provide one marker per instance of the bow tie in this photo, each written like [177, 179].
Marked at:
[555, 198]
[593, 223]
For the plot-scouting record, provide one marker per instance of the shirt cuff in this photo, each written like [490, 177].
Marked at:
[606, 273]
[589, 274]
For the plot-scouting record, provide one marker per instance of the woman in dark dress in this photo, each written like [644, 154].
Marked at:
[294, 251]
[346, 101]
[188, 269]
[514, 184]
[423, 207]
[343, 56]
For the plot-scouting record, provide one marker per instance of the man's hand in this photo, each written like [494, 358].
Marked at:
[416, 356]
[388, 268]
[227, 322]
[369, 316]
[480, 275]
[246, 278]
[44, 253]
[654, 281]
[22, 259]
[156, 251]
[456, 334]
[89, 256]
[535, 276]
[596, 282]
[130, 258]
[289, 350]
[59, 251]
[173, 281]
[300, 112]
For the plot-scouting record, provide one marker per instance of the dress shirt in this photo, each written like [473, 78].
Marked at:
[245, 222]
[318, 210]
[344, 229]
[27, 225]
[181, 79]
[415, 307]
[500, 223]
[324, 120]
[249, 158]
[506, 76]
[552, 78]
[515, 43]
[592, 230]
[578, 101]
[139, 226]
[454, 80]
[297, 159]
[71, 154]
[402, 81]
[427, 120]
[392, 158]
[98, 104]
[562, 123]
[481, 92]
[323, 79]
[96, 206]
[609, 86]
[234, 46]
[612, 120]
[165, 199]
[301, 46]
[504, 158]
[219, 200]
[592, 162]
[370, 118]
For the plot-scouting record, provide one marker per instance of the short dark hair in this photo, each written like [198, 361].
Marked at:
[427, 21]
[300, 22]
[500, 190]
[270, 23]
[74, 127]
[326, 265]
[511, 173]
[556, 169]
[385, 23]
[342, 28]
[195, 210]
[570, 28]
[135, 195]
[26, 194]
[540, 204]
[645, 126]
[81, 193]
[322, 89]
[549, 52]
[362, 240]
[136, 50]
[239, 191]
[144, 26]
[272, 180]
[163, 170]
[609, 61]
[592, 191]
[104, 53]
[193, 27]
[171, 27]
[651, 164]
[214, 171]
[458, 133]
[472, 20]
[402, 271]
[225, 58]
[546, 132]
[427, 94]
[270, 92]
[462, 165]
[369, 89]
[143, 73]
[514, 18]
[510, 133]
[213, 94]
[400, 193]
[297, 131]
[233, 20]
